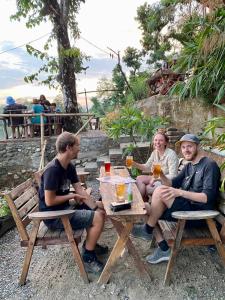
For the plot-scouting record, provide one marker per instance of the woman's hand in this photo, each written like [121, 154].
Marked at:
[153, 180]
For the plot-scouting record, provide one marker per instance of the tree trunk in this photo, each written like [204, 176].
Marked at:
[66, 76]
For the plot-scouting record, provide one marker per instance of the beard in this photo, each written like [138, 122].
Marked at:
[189, 156]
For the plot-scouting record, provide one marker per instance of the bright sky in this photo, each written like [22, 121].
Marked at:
[103, 23]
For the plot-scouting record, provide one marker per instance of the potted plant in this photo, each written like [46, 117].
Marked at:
[6, 219]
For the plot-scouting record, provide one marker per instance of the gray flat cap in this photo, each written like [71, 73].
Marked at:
[188, 138]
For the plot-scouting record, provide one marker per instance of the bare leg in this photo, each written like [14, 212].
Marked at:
[94, 232]
[142, 182]
[157, 231]
[157, 208]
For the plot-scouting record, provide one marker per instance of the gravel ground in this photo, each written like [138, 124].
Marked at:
[198, 273]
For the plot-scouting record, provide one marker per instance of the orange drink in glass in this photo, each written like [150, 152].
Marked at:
[120, 191]
[129, 161]
[156, 171]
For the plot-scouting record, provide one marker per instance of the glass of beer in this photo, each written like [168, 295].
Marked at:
[120, 191]
[107, 167]
[156, 171]
[129, 161]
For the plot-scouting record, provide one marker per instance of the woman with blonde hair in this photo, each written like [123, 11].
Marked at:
[161, 155]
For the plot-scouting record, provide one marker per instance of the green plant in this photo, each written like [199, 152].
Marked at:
[203, 58]
[4, 209]
[131, 121]
[218, 139]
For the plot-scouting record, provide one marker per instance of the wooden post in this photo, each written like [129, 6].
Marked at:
[42, 131]
[85, 93]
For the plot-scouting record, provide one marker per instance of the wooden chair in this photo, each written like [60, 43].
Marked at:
[23, 202]
[178, 236]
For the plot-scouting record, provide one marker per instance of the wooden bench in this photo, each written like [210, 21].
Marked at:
[23, 202]
[177, 236]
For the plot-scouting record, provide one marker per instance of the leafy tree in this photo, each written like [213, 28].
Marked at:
[133, 59]
[105, 87]
[218, 139]
[139, 87]
[120, 85]
[203, 58]
[163, 27]
[62, 15]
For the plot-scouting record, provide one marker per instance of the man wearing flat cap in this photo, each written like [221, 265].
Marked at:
[196, 187]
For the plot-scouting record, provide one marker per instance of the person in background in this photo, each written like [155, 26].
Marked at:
[45, 103]
[37, 108]
[56, 121]
[161, 155]
[54, 108]
[14, 108]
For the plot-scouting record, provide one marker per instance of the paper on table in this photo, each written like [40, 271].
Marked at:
[116, 179]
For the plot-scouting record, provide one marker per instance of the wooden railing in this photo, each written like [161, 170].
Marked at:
[28, 126]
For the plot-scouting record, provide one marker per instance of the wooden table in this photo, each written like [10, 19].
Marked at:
[123, 222]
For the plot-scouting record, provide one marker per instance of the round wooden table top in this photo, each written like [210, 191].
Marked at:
[195, 215]
[50, 214]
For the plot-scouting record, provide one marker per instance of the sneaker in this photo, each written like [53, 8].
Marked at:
[99, 249]
[158, 256]
[139, 231]
[93, 266]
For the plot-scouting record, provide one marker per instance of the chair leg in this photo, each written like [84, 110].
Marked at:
[75, 251]
[217, 239]
[175, 248]
[29, 252]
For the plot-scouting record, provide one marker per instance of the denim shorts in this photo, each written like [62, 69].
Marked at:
[81, 219]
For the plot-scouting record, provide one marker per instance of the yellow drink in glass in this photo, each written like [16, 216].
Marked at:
[156, 171]
[120, 191]
[129, 161]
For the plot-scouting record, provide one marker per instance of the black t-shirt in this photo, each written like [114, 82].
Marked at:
[56, 178]
[203, 177]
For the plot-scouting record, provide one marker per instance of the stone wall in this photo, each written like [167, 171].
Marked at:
[20, 158]
[187, 115]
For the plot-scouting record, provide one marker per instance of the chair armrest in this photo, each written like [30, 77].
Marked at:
[45, 215]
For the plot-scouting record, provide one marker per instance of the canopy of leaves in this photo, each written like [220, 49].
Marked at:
[37, 11]
[203, 58]
[133, 58]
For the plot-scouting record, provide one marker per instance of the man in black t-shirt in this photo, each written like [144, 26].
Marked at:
[54, 194]
[196, 187]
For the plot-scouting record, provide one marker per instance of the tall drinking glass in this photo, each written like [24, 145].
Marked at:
[107, 167]
[156, 171]
[120, 191]
[129, 161]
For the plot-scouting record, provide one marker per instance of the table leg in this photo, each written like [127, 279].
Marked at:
[132, 251]
[116, 252]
